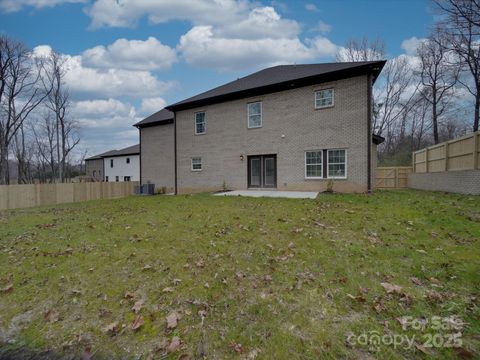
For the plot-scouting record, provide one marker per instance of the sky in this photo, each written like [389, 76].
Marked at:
[127, 59]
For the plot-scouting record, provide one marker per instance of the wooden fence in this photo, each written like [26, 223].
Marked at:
[458, 154]
[23, 196]
[392, 177]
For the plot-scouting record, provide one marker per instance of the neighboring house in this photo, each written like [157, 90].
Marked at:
[289, 127]
[115, 165]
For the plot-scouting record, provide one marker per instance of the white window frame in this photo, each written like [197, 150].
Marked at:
[204, 122]
[191, 163]
[325, 106]
[248, 115]
[328, 163]
[321, 171]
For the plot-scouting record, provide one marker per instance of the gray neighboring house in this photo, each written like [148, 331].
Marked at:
[288, 127]
[115, 165]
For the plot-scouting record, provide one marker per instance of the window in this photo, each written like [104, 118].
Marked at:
[200, 126]
[313, 164]
[128, 160]
[126, 178]
[323, 98]
[111, 163]
[254, 115]
[196, 164]
[106, 178]
[117, 179]
[99, 173]
[94, 173]
[337, 160]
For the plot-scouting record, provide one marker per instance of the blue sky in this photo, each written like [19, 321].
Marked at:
[127, 59]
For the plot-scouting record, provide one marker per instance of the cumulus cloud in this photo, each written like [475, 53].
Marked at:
[16, 5]
[126, 13]
[151, 105]
[322, 27]
[150, 54]
[311, 7]
[201, 47]
[411, 45]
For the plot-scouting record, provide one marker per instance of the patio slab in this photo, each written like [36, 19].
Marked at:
[271, 193]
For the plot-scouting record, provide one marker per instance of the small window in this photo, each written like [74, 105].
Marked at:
[313, 164]
[117, 179]
[111, 163]
[126, 178]
[106, 178]
[200, 126]
[94, 173]
[323, 98]
[254, 115]
[196, 164]
[128, 160]
[337, 161]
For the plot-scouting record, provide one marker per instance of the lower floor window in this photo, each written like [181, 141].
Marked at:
[126, 178]
[335, 161]
[106, 178]
[196, 164]
[117, 179]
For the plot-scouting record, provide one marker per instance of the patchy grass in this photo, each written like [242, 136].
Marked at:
[244, 277]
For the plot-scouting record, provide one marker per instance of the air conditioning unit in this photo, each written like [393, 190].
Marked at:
[148, 189]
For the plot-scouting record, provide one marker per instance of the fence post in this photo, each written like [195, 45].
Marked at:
[446, 156]
[475, 149]
[426, 160]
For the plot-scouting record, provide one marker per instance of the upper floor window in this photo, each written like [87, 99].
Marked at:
[324, 98]
[196, 164]
[128, 160]
[337, 164]
[111, 163]
[255, 115]
[200, 125]
[313, 164]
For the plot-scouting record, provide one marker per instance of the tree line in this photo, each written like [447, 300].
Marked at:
[433, 96]
[37, 132]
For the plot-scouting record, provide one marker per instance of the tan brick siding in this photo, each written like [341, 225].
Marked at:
[94, 165]
[157, 156]
[291, 125]
[462, 182]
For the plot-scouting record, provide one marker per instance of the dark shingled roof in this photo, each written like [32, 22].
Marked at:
[131, 150]
[161, 117]
[280, 78]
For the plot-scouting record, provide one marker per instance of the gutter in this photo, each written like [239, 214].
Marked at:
[369, 136]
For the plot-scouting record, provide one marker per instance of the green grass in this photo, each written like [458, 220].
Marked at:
[279, 274]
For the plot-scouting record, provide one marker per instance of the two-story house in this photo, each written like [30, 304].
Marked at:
[288, 127]
[115, 165]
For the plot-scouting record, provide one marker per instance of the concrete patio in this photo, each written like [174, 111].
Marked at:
[271, 193]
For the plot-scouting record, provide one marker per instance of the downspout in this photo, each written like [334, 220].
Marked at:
[175, 149]
[103, 164]
[369, 137]
[140, 138]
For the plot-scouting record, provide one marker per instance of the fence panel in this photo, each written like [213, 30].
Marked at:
[392, 177]
[23, 196]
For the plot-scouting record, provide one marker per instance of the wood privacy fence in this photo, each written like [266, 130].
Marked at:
[458, 154]
[23, 196]
[392, 177]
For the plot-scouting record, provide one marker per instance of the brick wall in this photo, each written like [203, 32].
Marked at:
[157, 156]
[291, 125]
[462, 182]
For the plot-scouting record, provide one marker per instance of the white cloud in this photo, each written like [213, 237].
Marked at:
[150, 54]
[126, 13]
[16, 5]
[322, 27]
[151, 105]
[202, 48]
[311, 7]
[411, 45]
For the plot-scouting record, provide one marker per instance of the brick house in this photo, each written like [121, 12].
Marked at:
[115, 165]
[288, 127]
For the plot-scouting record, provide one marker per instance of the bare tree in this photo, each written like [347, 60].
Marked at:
[438, 77]
[20, 95]
[361, 50]
[462, 27]
[58, 102]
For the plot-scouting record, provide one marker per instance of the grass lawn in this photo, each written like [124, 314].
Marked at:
[243, 278]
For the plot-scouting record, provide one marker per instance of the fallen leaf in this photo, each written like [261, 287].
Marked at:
[391, 288]
[7, 289]
[172, 319]
[176, 281]
[200, 263]
[238, 348]
[147, 267]
[167, 290]
[111, 328]
[51, 315]
[163, 345]
[416, 281]
[357, 298]
[174, 344]
[137, 306]
[137, 323]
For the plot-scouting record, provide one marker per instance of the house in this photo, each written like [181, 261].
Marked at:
[115, 165]
[288, 127]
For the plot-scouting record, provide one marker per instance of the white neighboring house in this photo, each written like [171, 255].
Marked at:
[122, 165]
